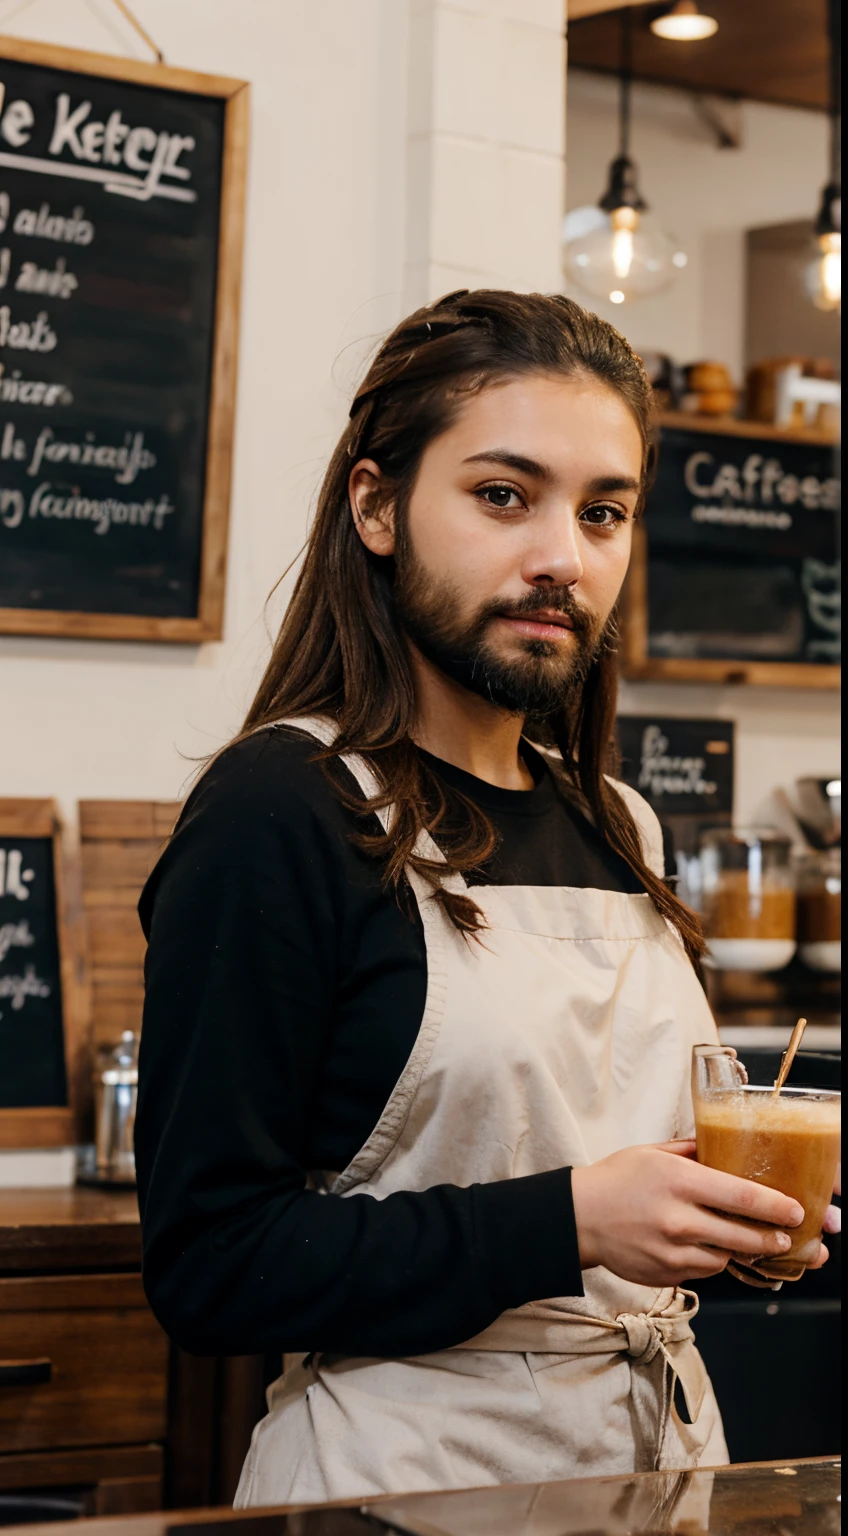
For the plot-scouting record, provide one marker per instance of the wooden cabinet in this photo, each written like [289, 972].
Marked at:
[82, 1362]
[96, 1406]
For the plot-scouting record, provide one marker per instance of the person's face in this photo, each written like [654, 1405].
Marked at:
[517, 536]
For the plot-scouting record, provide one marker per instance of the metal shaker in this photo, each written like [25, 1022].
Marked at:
[115, 1095]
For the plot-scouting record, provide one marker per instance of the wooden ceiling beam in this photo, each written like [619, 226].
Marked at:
[575, 9]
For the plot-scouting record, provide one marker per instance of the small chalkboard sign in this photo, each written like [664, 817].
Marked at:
[735, 573]
[682, 767]
[36, 1006]
[121, 212]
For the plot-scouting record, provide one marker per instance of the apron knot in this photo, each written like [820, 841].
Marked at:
[643, 1335]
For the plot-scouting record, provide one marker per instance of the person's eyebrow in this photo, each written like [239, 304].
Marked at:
[601, 485]
[517, 461]
[604, 485]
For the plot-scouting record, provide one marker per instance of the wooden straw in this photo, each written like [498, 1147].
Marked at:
[789, 1056]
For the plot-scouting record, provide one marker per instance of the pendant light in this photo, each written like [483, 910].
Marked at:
[684, 23]
[824, 274]
[615, 251]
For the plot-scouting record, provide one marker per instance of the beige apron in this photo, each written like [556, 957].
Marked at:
[565, 1036]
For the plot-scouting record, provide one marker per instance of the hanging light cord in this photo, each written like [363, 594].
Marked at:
[624, 100]
[834, 30]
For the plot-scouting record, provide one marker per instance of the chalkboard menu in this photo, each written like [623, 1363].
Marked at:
[682, 767]
[736, 569]
[121, 190]
[35, 1006]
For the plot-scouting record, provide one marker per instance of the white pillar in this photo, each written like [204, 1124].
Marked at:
[485, 146]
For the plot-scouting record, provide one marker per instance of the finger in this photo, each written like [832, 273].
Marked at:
[742, 1237]
[742, 1197]
[683, 1148]
[837, 1183]
[697, 1263]
[821, 1257]
[833, 1220]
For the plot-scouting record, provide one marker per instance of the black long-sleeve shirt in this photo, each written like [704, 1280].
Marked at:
[284, 990]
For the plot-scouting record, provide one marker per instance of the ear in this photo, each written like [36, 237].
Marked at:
[375, 528]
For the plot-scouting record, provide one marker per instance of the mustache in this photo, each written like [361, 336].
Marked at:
[555, 599]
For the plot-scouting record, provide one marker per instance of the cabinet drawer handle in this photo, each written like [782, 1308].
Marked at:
[24, 1373]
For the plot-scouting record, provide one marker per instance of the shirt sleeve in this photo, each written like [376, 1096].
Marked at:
[243, 916]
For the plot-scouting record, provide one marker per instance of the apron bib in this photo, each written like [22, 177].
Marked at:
[564, 1036]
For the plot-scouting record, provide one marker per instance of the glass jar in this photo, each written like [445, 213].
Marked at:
[747, 898]
[819, 886]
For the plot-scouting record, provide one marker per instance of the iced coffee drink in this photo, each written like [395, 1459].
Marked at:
[790, 1143]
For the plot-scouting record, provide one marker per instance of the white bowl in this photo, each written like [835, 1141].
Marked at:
[750, 954]
[824, 955]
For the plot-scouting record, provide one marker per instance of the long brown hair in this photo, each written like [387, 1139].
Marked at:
[340, 651]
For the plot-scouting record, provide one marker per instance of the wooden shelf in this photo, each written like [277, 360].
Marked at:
[733, 426]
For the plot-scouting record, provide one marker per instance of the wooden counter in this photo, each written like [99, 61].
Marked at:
[69, 1228]
[799, 1498]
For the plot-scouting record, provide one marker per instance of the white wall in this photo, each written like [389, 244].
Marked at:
[708, 197]
[331, 263]
[365, 196]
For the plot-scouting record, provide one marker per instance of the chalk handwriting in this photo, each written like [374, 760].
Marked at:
[28, 335]
[101, 514]
[126, 460]
[19, 988]
[15, 933]
[13, 879]
[98, 149]
[15, 388]
[55, 281]
[41, 224]
[661, 775]
[758, 479]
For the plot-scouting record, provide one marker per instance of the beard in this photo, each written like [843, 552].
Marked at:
[537, 682]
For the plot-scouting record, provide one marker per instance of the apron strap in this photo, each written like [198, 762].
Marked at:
[325, 730]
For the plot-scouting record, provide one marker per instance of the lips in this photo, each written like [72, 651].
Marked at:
[546, 616]
[540, 624]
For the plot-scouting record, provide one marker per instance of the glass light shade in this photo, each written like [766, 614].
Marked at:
[620, 255]
[684, 23]
[823, 277]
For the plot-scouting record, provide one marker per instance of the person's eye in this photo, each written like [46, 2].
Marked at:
[603, 515]
[502, 498]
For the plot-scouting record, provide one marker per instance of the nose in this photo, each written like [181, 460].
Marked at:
[553, 558]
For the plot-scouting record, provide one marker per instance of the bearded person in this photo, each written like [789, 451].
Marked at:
[414, 1105]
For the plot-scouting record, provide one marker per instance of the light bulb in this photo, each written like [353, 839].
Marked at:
[619, 256]
[625, 222]
[824, 274]
[684, 23]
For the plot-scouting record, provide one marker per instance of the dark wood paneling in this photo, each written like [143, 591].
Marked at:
[116, 819]
[765, 50]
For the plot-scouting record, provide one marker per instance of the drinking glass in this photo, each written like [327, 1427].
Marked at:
[790, 1143]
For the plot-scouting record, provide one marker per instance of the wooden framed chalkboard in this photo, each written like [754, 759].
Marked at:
[41, 1053]
[735, 575]
[121, 217]
[682, 767]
